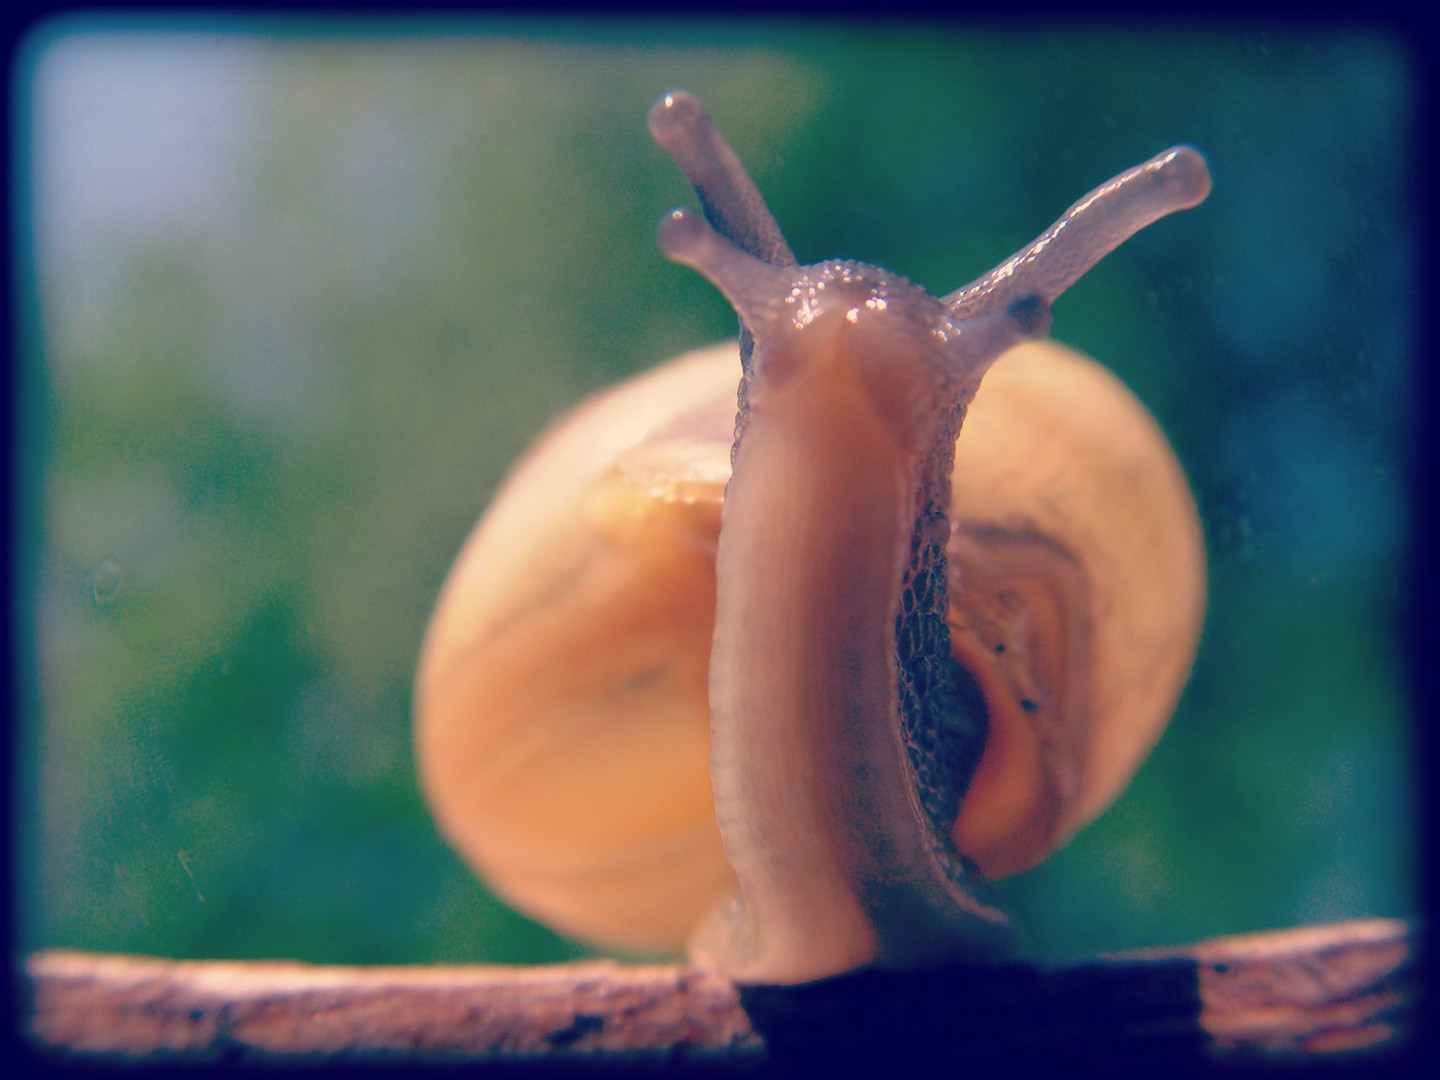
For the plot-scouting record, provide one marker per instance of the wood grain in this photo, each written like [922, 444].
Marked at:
[1337, 992]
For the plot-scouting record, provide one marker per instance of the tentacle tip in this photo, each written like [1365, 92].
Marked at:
[1191, 174]
[681, 235]
[673, 110]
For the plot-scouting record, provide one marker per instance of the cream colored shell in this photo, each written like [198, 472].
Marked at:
[562, 715]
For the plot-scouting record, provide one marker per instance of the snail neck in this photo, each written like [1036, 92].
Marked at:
[825, 756]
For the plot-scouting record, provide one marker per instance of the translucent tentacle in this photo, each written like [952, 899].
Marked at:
[1095, 226]
[729, 198]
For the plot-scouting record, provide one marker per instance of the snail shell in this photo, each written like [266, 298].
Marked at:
[574, 666]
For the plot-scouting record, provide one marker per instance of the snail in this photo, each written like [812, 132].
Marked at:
[793, 683]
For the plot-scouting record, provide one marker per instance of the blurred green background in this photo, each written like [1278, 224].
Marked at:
[301, 297]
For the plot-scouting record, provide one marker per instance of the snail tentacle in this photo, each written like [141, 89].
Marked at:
[753, 287]
[1176, 179]
[728, 197]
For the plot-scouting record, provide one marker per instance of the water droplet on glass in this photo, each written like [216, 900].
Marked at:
[105, 581]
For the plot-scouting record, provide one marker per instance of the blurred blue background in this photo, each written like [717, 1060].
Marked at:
[299, 299]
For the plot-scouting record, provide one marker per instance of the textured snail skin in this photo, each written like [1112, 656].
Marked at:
[891, 704]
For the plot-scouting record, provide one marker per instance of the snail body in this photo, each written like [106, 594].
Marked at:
[891, 629]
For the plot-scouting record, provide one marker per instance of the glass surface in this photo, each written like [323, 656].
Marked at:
[302, 292]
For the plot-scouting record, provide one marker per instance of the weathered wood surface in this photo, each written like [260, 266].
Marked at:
[1331, 991]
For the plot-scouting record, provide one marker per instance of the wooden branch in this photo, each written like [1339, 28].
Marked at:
[1336, 990]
